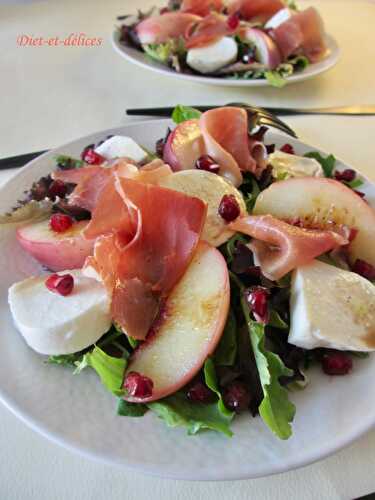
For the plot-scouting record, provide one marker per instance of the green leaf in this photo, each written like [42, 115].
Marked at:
[226, 351]
[211, 382]
[251, 197]
[276, 321]
[68, 162]
[162, 52]
[276, 410]
[182, 113]
[126, 409]
[177, 410]
[359, 354]
[133, 342]
[275, 79]
[65, 359]
[354, 184]
[327, 163]
[110, 369]
[299, 62]
[231, 245]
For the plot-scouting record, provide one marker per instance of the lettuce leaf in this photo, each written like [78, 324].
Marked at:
[276, 410]
[126, 409]
[327, 163]
[110, 369]
[177, 410]
[226, 351]
[275, 79]
[162, 52]
[182, 113]
[211, 382]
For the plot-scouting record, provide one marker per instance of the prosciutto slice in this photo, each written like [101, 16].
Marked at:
[279, 247]
[262, 10]
[201, 7]
[225, 134]
[110, 213]
[304, 32]
[154, 240]
[209, 30]
[160, 29]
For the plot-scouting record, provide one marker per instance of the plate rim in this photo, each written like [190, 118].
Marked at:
[160, 470]
[329, 62]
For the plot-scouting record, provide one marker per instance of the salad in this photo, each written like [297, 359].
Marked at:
[200, 280]
[236, 39]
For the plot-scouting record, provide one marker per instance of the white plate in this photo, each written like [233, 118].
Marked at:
[78, 413]
[141, 59]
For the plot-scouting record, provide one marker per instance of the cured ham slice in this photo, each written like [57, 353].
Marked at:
[262, 10]
[303, 32]
[279, 247]
[110, 213]
[201, 7]
[155, 238]
[160, 29]
[225, 134]
[209, 30]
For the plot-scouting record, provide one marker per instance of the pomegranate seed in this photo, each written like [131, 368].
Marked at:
[336, 363]
[62, 284]
[364, 269]
[60, 222]
[257, 298]
[287, 148]
[229, 208]
[237, 397]
[347, 175]
[91, 157]
[57, 188]
[199, 393]
[207, 163]
[233, 21]
[138, 385]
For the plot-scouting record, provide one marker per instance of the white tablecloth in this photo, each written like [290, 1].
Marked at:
[51, 95]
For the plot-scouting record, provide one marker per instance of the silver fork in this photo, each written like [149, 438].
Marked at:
[257, 116]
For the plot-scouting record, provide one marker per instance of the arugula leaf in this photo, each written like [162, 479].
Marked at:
[276, 321]
[275, 409]
[275, 79]
[126, 409]
[211, 382]
[299, 62]
[162, 52]
[226, 351]
[65, 359]
[67, 162]
[327, 163]
[354, 184]
[182, 113]
[177, 410]
[230, 246]
[110, 369]
[133, 342]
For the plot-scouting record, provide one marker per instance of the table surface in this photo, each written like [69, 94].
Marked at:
[52, 95]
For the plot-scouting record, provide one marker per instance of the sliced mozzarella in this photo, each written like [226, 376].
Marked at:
[210, 188]
[120, 147]
[332, 308]
[53, 324]
[285, 166]
[279, 18]
[212, 57]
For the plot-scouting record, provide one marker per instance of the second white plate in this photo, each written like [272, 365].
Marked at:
[141, 59]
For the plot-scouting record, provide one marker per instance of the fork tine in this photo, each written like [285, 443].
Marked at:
[264, 120]
[268, 118]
